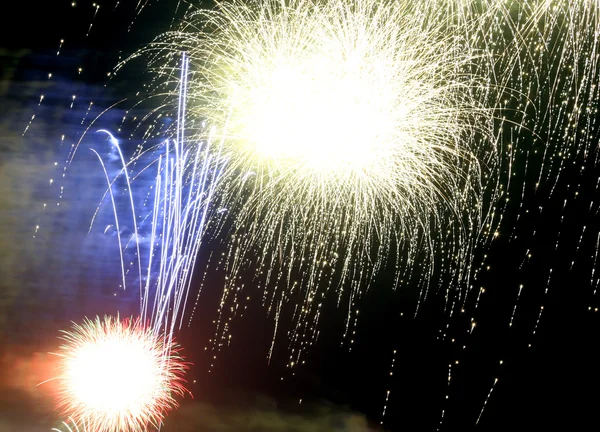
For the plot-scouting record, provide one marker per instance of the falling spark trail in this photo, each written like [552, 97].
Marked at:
[387, 394]
[96, 8]
[486, 401]
[115, 143]
[62, 41]
[112, 199]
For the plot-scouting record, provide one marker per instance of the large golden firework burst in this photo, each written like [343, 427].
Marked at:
[351, 128]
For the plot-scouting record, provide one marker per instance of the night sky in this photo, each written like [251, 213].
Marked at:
[546, 367]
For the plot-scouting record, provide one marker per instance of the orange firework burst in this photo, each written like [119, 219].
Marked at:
[118, 375]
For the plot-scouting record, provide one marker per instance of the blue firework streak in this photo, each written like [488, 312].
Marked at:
[156, 207]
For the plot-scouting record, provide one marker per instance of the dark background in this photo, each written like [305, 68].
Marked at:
[546, 364]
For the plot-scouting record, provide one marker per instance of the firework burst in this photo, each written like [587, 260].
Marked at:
[118, 375]
[351, 130]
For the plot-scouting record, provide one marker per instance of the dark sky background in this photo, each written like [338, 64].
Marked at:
[547, 373]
